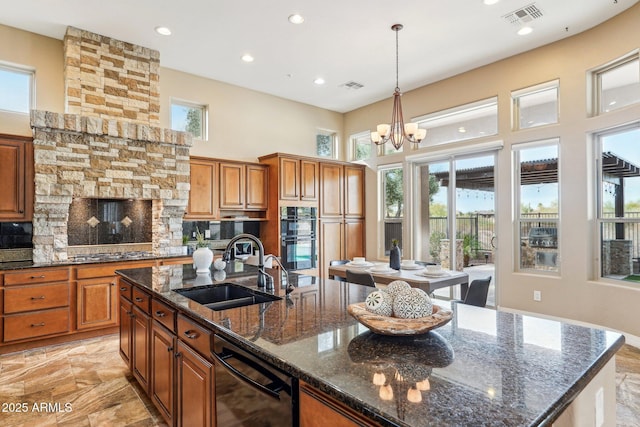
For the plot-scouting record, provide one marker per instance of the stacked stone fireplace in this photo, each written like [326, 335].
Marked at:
[107, 145]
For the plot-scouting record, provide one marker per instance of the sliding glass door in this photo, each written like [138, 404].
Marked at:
[455, 224]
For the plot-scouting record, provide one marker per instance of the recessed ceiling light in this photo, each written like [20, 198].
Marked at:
[296, 19]
[319, 81]
[247, 58]
[524, 31]
[490, 2]
[163, 31]
[462, 129]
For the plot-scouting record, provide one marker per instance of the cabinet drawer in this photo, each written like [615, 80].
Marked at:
[125, 289]
[164, 314]
[195, 335]
[142, 300]
[29, 298]
[36, 276]
[31, 325]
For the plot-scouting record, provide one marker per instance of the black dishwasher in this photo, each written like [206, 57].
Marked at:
[250, 392]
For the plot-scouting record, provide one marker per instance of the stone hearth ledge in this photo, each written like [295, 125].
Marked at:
[93, 157]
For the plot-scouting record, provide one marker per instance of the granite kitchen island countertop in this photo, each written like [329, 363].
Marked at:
[485, 367]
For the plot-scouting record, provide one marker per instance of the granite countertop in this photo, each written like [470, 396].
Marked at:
[485, 367]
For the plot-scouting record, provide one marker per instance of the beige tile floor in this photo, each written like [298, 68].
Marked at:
[86, 383]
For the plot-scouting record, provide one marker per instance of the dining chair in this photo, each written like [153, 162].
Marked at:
[338, 262]
[477, 293]
[425, 263]
[361, 278]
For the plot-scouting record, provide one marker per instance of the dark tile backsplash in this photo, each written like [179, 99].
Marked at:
[109, 221]
[221, 230]
[15, 235]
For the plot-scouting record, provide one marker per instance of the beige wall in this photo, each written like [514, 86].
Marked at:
[44, 54]
[245, 124]
[574, 294]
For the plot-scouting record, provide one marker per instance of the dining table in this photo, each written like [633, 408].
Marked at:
[416, 276]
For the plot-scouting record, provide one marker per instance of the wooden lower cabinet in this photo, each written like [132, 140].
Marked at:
[96, 303]
[126, 316]
[163, 350]
[195, 389]
[319, 410]
[140, 336]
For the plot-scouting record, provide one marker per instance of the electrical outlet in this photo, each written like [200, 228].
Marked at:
[207, 234]
[537, 295]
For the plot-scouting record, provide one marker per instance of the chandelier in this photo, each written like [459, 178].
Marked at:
[397, 131]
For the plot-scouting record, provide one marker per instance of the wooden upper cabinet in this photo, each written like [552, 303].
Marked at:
[257, 180]
[203, 194]
[331, 187]
[308, 180]
[232, 186]
[298, 179]
[16, 176]
[354, 191]
[289, 179]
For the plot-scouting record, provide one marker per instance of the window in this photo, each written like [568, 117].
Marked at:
[475, 120]
[537, 208]
[617, 84]
[189, 117]
[535, 106]
[16, 89]
[393, 205]
[619, 203]
[361, 146]
[326, 144]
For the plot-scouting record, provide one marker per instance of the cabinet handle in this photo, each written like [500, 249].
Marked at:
[21, 211]
[170, 349]
[191, 334]
[138, 299]
[42, 276]
[34, 325]
[40, 297]
[160, 313]
[123, 288]
[178, 354]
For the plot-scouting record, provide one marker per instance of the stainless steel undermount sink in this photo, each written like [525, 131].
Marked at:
[225, 296]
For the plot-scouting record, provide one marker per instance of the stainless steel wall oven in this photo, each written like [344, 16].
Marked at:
[298, 237]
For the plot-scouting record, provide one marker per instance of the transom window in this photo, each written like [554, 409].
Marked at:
[361, 146]
[535, 106]
[189, 117]
[537, 205]
[326, 144]
[16, 89]
[469, 121]
[617, 85]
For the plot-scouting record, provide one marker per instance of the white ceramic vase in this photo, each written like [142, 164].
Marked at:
[202, 258]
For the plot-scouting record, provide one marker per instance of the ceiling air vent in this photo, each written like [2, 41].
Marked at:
[352, 85]
[523, 15]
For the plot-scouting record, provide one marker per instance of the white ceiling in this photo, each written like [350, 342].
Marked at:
[340, 40]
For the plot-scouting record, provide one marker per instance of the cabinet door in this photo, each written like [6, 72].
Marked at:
[195, 394]
[126, 317]
[331, 176]
[203, 193]
[140, 334]
[256, 193]
[331, 243]
[289, 181]
[308, 180]
[163, 370]
[97, 303]
[16, 176]
[354, 238]
[232, 186]
[354, 191]
[319, 410]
